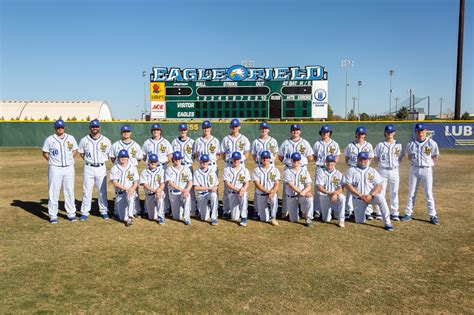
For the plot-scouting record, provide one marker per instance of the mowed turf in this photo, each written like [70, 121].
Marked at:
[101, 266]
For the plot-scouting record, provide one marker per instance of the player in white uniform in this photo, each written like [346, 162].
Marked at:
[180, 180]
[234, 142]
[94, 149]
[263, 143]
[267, 181]
[205, 183]
[134, 152]
[287, 148]
[423, 152]
[388, 154]
[365, 185]
[59, 150]
[298, 190]
[207, 144]
[329, 184]
[237, 179]
[351, 152]
[153, 181]
[124, 177]
[321, 149]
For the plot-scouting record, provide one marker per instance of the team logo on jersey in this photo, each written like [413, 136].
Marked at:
[241, 145]
[335, 181]
[162, 148]
[365, 149]
[302, 179]
[397, 152]
[103, 147]
[331, 150]
[370, 177]
[241, 178]
[133, 152]
[158, 178]
[302, 149]
[272, 176]
[69, 145]
[212, 148]
[184, 178]
[130, 175]
[427, 150]
[271, 147]
[189, 149]
[210, 179]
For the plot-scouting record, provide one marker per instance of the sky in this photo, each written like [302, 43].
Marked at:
[98, 50]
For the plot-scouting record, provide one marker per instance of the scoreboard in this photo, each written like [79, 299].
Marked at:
[238, 92]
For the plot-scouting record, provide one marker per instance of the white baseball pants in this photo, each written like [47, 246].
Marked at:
[238, 206]
[425, 175]
[124, 205]
[267, 208]
[207, 205]
[327, 207]
[392, 182]
[180, 207]
[155, 206]
[360, 209]
[94, 176]
[293, 203]
[61, 177]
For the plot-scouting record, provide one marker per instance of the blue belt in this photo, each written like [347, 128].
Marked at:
[265, 194]
[175, 190]
[291, 196]
[95, 165]
[233, 192]
[150, 194]
[120, 192]
[389, 168]
[421, 166]
[204, 193]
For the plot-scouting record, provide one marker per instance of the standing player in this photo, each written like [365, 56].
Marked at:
[287, 148]
[124, 177]
[153, 181]
[59, 150]
[389, 154]
[237, 179]
[298, 190]
[329, 185]
[322, 149]
[365, 184]
[267, 182]
[234, 142]
[180, 180]
[259, 145]
[423, 152]
[351, 153]
[94, 149]
[208, 145]
[205, 183]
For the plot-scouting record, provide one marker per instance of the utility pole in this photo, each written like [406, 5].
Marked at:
[345, 63]
[428, 106]
[457, 104]
[144, 93]
[390, 73]
[353, 104]
[396, 104]
[359, 83]
[440, 107]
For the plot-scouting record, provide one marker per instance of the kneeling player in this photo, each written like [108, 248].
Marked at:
[205, 185]
[365, 185]
[331, 197]
[180, 181]
[237, 178]
[153, 181]
[298, 190]
[124, 177]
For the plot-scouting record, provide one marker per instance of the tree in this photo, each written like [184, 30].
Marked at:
[88, 118]
[402, 113]
[351, 116]
[330, 113]
[465, 116]
[46, 118]
[364, 117]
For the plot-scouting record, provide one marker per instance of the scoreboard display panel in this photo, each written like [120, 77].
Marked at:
[239, 92]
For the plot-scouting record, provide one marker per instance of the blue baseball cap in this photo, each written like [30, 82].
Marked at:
[363, 155]
[177, 155]
[296, 156]
[204, 158]
[236, 156]
[264, 124]
[206, 124]
[126, 128]
[155, 127]
[331, 158]
[325, 128]
[295, 127]
[420, 126]
[59, 124]
[234, 122]
[123, 153]
[265, 155]
[361, 130]
[94, 123]
[390, 128]
[153, 158]
[183, 127]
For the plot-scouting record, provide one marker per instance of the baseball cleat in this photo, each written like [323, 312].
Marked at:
[378, 217]
[225, 215]
[72, 219]
[243, 222]
[53, 221]
[255, 216]
[388, 228]
[348, 216]
[214, 222]
[105, 216]
[84, 217]
[316, 215]
[187, 222]
[368, 217]
[274, 222]
[161, 221]
[129, 222]
[434, 220]
[406, 218]
[394, 218]
[309, 223]
[341, 224]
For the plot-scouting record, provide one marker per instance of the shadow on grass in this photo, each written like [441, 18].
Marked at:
[39, 209]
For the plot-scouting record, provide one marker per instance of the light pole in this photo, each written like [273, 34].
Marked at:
[390, 73]
[144, 92]
[353, 104]
[440, 107]
[359, 83]
[345, 63]
[396, 104]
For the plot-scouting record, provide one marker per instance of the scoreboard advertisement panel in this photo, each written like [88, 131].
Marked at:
[239, 92]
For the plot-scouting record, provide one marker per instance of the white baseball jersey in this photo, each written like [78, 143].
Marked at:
[124, 175]
[211, 147]
[353, 149]
[389, 154]
[364, 180]
[185, 147]
[95, 151]
[259, 145]
[266, 177]
[299, 178]
[322, 149]
[205, 178]
[422, 152]
[180, 177]
[153, 178]
[239, 144]
[161, 147]
[236, 176]
[60, 150]
[331, 181]
[133, 148]
[289, 146]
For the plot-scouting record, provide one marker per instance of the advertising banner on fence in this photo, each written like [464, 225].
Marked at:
[454, 135]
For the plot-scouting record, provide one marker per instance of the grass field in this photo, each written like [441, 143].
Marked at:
[102, 267]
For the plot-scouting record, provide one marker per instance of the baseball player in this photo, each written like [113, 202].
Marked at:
[207, 144]
[263, 143]
[59, 150]
[180, 180]
[237, 179]
[423, 152]
[321, 149]
[331, 197]
[94, 150]
[365, 184]
[388, 154]
[287, 148]
[234, 142]
[267, 181]
[351, 153]
[298, 190]
[134, 152]
[153, 181]
[205, 183]
[124, 177]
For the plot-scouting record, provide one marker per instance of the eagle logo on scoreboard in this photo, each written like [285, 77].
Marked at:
[237, 73]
